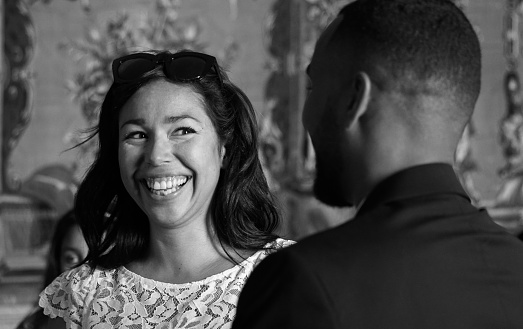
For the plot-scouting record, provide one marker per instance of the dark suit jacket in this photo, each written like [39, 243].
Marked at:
[416, 255]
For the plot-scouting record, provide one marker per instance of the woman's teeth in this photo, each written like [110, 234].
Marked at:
[166, 185]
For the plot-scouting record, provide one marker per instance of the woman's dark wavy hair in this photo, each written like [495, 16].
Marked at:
[244, 214]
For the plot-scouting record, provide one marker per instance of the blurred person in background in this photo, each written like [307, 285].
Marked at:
[67, 249]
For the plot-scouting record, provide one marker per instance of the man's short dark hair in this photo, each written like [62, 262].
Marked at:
[419, 43]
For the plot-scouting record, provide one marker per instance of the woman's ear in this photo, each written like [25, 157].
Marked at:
[360, 100]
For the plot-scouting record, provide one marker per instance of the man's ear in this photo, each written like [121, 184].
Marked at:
[360, 99]
[224, 157]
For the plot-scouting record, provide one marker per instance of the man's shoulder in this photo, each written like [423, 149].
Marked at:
[332, 241]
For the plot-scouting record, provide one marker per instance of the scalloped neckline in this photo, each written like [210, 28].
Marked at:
[214, 277]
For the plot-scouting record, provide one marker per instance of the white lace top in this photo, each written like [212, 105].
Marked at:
[120, 298]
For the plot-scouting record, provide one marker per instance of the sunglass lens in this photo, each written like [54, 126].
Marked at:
[186, 68]
[135, 68]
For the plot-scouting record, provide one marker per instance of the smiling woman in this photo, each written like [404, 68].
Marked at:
[169, 154]
[175, 209]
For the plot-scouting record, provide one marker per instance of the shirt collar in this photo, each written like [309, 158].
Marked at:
[417, 181]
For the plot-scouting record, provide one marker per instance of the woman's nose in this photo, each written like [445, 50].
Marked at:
[159, 151]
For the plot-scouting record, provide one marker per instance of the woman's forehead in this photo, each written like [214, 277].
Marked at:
[162, 98]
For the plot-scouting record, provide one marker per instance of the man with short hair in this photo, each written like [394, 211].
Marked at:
[393, 85]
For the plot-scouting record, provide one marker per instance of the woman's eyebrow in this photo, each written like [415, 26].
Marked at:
[136, 121]
[176, 118]
[168, 119]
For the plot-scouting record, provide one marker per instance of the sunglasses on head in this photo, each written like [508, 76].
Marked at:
[183, 66]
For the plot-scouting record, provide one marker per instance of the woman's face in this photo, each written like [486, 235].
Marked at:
[169, 154]
[73, 250]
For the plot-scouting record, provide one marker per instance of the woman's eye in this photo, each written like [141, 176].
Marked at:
[135, 135]
[183, 131]
[70, 259]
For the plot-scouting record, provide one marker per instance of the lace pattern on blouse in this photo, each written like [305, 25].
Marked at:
[120, 298]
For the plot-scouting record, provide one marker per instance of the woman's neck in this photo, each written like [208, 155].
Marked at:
[183, 255]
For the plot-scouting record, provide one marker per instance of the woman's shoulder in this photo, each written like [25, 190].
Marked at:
[75, 277]
[270, 248]
[67, 294]
[280, 243]
[78, 277]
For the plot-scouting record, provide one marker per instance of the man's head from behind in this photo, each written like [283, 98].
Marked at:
[392, 81]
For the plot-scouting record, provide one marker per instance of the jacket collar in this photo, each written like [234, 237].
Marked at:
[417, 181]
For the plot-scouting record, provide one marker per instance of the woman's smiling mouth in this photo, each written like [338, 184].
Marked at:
[166, 185]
